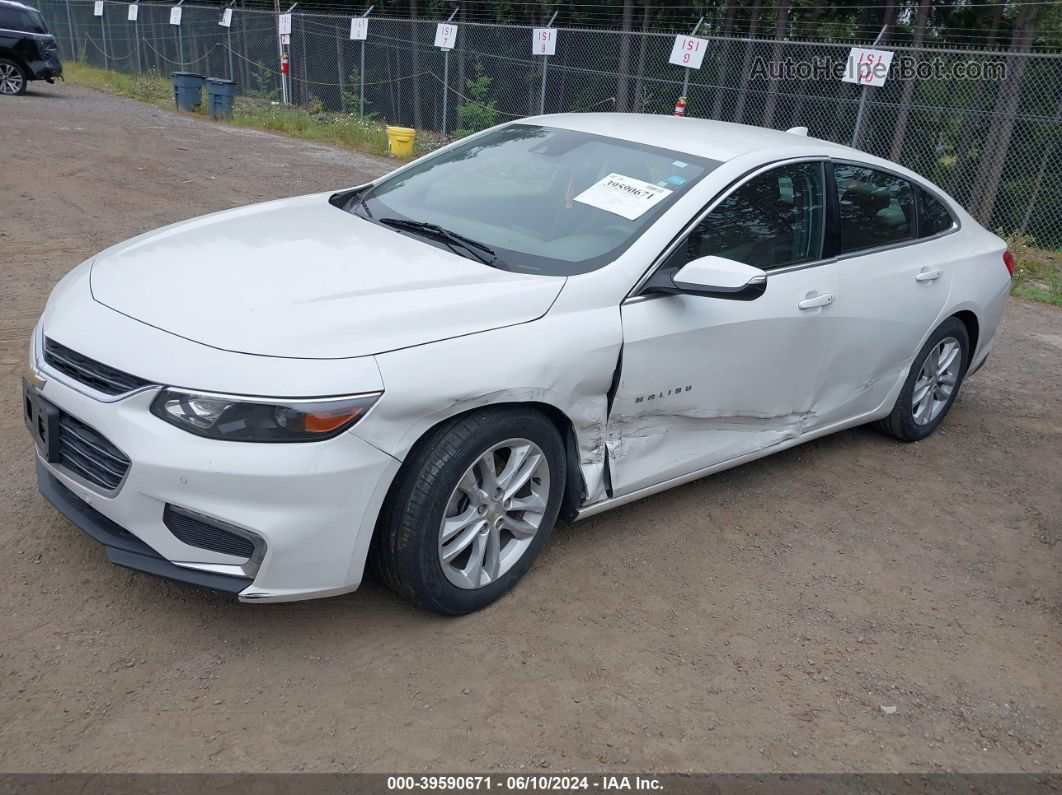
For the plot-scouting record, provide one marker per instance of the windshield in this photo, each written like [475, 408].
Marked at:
[545, 200]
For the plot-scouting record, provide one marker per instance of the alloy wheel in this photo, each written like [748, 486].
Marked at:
[936, 381]
[10, 79]
[493, 514]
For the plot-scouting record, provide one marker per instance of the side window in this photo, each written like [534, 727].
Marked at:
[936, 217]
[773, 220]
[875, 208]
[10, 19]
[17, 19]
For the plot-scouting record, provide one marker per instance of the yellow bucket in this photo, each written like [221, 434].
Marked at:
[400, 140]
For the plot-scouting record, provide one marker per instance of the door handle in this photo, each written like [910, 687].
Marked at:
[819, 300]
[928, 275]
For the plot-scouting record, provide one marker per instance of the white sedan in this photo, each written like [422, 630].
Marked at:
[549, 319]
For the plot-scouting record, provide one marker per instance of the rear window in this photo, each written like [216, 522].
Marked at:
[21, 19]
[876, 208]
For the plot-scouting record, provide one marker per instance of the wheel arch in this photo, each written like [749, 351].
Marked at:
[575, 486]
[7, 55]
[973, 327]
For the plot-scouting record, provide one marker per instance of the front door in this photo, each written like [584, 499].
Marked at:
[705, 380]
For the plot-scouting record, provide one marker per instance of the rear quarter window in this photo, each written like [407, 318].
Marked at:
[935, 218]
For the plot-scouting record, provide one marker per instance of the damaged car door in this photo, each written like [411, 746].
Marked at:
[706, 378]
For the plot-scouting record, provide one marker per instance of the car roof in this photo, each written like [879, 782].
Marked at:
[716, 140]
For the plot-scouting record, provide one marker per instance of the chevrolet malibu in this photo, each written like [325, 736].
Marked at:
[549, 319]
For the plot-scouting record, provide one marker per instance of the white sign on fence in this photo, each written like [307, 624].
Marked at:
[359, 28]
[445, 35]
[544, 41]
[134, 9]
[175, 15]
[284, 24]
[867, 67]
[97, 8]
[226, 18]
[688, 51]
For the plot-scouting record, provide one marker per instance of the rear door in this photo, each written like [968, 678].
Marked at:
[893, 282]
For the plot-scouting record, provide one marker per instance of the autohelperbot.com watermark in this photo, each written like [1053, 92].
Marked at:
[903, 67]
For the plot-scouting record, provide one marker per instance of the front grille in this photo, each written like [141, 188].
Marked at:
[85, 452]
[101, 377]
[199, 531]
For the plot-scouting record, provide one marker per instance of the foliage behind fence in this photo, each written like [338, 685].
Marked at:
[992, 144]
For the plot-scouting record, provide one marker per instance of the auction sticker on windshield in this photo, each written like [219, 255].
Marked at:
[624, 196]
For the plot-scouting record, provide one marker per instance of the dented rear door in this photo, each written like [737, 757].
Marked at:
[705, 380]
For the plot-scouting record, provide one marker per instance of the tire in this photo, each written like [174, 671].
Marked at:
[13, 78]
[911, 421]
[411, 539]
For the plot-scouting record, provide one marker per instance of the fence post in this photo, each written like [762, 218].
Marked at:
[361, 71]
[858, 131]
[70, 31]
[285, 61]
[686, 70]
[136, 38]
[545, 68]
[228, 44]
[180, 41]
[103, 37]
[446, 78]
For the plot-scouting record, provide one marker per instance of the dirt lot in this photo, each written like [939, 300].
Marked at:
[758, 620]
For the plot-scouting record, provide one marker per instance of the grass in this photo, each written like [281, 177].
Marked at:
[1037, 272]
[348, 130]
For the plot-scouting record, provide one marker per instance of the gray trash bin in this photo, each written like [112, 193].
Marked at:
[221, 94]
[187, 90]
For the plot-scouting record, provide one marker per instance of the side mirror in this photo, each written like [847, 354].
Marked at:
[715, 277]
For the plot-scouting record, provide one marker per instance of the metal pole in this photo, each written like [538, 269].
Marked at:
[285, 78]
[686, 76]
[70, 31]
[136, 37]
[180, 41]
[361, 71]
[545, 68]
[857, 132]
[103, 37]
[228, 45]
[446, 79]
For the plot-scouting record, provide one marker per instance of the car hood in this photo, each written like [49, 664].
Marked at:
[301, 278]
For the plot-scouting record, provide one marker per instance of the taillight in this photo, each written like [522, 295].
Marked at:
[1008, 260]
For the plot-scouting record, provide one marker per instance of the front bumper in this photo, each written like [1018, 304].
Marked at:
[313, 505]
[123, 548]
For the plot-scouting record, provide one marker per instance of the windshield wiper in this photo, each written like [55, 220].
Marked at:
[351, 200]
[480, 251]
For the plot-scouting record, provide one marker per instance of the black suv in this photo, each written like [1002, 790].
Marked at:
[27, 50]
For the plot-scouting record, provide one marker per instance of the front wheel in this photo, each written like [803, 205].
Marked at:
[12, 78]
[932, 384]
[475, 503]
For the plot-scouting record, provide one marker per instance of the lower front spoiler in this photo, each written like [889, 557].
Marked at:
[123, 548]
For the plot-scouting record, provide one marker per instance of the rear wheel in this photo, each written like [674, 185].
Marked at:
[932, 383]
[476, 503]
[12, 78]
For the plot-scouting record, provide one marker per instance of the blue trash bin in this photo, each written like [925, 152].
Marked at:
[221, 94]
[187, 90]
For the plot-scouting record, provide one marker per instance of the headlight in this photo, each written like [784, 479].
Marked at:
[247, 419]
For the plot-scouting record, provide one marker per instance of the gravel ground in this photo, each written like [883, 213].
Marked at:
[758, 620]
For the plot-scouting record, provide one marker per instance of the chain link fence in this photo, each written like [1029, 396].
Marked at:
[992, 143]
